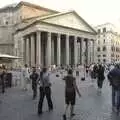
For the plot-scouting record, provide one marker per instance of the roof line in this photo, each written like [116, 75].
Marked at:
[85, 21]
[37, 21]
[34, 5]
[72, 11]
[105, 24]
[55, 15]
[27, 4]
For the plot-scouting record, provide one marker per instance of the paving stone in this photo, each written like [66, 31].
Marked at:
[18, 105]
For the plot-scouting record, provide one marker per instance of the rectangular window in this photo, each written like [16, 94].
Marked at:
[104, 55]
[104, 41]
[104, 30]
[104, 48]
[98, 30]
[99, 55]
[104, 60]
[98, 60]
[98, 49]
[98, 41]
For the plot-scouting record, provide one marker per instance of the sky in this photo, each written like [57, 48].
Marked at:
[95, 12]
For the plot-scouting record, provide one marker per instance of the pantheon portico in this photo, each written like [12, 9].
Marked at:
[44, 43]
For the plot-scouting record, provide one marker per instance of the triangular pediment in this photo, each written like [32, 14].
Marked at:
[69, 19]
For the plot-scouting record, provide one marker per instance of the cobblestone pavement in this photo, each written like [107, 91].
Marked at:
[18, 105]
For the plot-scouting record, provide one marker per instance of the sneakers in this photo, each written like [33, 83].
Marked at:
[72, 115]
[99, 90]
[40, 113]
[64, 117]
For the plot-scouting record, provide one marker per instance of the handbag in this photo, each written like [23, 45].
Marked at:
[83, 79]
[57, 75]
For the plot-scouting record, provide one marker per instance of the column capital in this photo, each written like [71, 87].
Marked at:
[58, 35]
[75, 38]
[49, 34]
[82, 38]
[67, 35]
[38, 32]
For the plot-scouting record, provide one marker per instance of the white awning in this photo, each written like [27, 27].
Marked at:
[9, 56]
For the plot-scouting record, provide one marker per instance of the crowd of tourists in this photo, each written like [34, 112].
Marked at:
[41, 76]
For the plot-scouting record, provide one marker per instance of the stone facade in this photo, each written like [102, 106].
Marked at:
[11, 17]
[57, 44]
[107, 44]
[44, 37]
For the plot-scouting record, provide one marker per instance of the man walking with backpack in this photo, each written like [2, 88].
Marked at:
[114, 78]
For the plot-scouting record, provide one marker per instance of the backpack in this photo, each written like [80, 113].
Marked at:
[115, 82]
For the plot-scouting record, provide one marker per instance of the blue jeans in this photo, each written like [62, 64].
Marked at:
[115, 98]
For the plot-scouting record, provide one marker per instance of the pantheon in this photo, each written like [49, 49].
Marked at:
[44, 37]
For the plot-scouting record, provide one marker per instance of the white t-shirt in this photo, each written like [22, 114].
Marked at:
[25, 72]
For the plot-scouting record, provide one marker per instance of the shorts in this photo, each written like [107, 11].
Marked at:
[70, 98]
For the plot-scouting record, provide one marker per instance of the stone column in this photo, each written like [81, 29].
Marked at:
[78, 52]
[52, 52]
[32, 38]
[49, 49]
[82, 51]
[67, 49]
[88, 51]
[27, 51]
[38, 42]
[23, 50]
[58, 49]
[75, 51]
[93, 51]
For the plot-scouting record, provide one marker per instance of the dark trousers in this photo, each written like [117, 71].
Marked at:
[34, 88]
[3, 87]
[113, 96]
[100, 83]
[77, 73]
[116, 98]
[45, 92]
